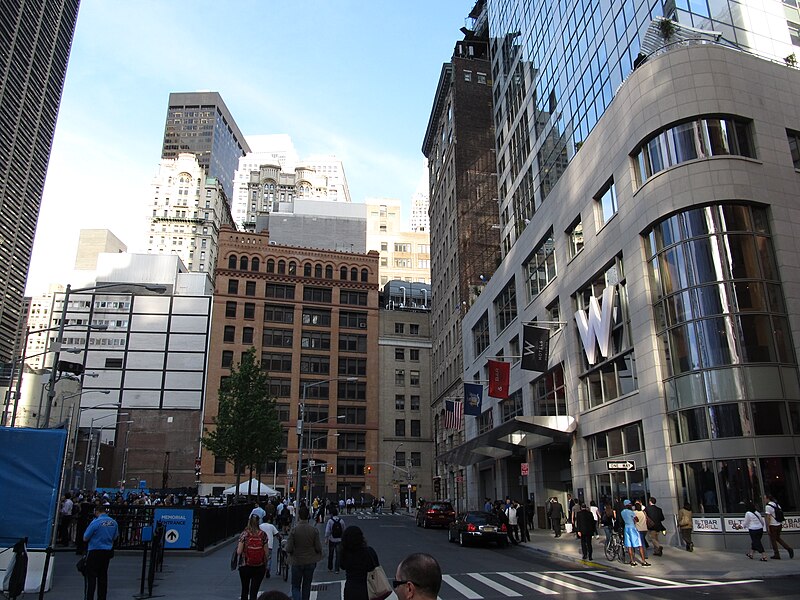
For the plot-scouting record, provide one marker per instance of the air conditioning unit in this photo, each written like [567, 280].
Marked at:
[362, 325]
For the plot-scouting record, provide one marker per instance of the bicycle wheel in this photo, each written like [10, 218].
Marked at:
[611, 549]
[622, 554]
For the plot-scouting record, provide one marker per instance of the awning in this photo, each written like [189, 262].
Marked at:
[513, 437]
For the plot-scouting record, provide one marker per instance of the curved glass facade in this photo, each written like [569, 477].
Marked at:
[692, 140]
[727, 350]
[722, 325]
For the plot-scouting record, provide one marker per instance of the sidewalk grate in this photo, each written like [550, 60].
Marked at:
[322, 587]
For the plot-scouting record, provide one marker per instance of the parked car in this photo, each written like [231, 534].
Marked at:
[435, 514]
[477, 526]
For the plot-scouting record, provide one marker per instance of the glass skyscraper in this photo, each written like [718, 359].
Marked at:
[200, 123]
[557, 65]
[36, 38]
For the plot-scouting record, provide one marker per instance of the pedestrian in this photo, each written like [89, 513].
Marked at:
[513, 523]
[585, 528]
[631, 535]
[685, 525]
[259, 512]
[573, 512]
[774, 516]
[607, 521]
[252, 552]
[65, 520]
[754, 523]
[487, 506]
[333, 536]
[418, 577]
[555, 512]
[522, 515]
[641, 525]
[530, 511]
[270, 530]
[305, 551]
[100, 536]
[595, 515]
[358, 559]
[654, 517]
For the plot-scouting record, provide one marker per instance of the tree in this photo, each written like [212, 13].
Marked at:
[246, 429]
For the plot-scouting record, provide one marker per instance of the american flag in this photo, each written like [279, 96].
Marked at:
[453, 411]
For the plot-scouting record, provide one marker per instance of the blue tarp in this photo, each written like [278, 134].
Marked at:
[30, 474]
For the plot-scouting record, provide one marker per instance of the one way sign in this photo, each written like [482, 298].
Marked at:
[621, 465]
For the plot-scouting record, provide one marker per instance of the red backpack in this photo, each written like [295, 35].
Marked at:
[254, 553]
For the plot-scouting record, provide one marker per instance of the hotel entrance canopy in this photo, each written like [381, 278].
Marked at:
[513, 437]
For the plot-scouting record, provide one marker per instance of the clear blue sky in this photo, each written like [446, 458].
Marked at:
[345, 77]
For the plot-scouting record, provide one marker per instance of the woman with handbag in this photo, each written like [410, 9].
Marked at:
[754, 523]
[360, 563]
[252, 552]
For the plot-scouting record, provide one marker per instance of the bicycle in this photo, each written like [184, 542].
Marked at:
[615, 548]
[283, 557]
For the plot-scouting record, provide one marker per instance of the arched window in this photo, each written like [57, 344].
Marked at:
[353, 274]
[343, 273]
[318, 271]
[292, 268]
[281, 267]
[243, 263]
[255, 264]
[232, 261]
[270, 266]
[364, 275]
[328, 272]
[307, 270]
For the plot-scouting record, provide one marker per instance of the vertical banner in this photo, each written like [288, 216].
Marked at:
[473, 399]
[499, 376]
[535, 348]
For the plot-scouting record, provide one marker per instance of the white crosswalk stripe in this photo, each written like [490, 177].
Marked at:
[480, 586]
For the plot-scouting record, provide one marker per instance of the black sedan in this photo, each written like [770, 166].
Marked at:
[477, 526]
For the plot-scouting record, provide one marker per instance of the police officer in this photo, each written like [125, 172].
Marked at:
[100, 535]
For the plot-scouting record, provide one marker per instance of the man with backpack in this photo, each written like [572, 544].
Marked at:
[333, 535]
[774, 517]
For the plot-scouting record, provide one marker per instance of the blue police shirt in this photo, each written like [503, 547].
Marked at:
[101, 533]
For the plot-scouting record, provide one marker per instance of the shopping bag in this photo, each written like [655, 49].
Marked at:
[378, 587]
[568, 527]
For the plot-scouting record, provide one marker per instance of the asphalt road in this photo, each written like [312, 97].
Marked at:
[471, 573]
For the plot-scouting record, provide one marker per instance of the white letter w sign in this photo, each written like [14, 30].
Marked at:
[596, 329]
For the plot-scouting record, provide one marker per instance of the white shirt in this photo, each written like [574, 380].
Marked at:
[270, 530]
[66, 507]
[595, 513]
[511, 513]
[753, 521]
[770, 510]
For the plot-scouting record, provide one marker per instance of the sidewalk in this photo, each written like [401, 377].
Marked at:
[676, 562]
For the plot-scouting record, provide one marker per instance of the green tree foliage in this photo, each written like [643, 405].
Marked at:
[246, 430]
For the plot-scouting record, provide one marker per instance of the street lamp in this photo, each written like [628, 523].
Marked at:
[55, 347]
[51, 392]
[90, 439]
[314, 443]
[302, 415]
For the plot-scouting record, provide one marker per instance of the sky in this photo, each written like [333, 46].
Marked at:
[354, 78]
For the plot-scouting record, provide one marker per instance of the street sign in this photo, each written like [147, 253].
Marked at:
[178, 523]
[620, 465]
[524, 469]
[142, 484]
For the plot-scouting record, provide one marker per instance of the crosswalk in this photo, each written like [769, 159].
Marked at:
[484, 586]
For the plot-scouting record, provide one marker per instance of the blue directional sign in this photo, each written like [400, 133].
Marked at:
[178, 525]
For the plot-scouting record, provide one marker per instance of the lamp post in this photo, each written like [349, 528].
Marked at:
[76, 424]
[310, 470]
[51, 391]
[89, 437]
[302, 417]
[90, 440]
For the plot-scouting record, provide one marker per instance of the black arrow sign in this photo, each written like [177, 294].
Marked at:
[172, 536]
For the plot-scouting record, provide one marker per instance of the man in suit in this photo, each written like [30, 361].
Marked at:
[555, 511]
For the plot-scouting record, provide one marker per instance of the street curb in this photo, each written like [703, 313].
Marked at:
[617, 566]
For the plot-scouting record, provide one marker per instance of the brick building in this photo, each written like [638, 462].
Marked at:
[312, 315]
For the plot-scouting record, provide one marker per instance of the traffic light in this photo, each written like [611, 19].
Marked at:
[197, 467]
[65, 366]
[291, 490]
[330, 468]
[368, 470]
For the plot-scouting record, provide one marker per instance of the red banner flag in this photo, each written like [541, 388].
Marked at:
[499, 375]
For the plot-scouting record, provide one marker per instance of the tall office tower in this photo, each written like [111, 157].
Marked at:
[459, 146]
[200, 123]
[188, 210]
[405, 255]
[312, 316]
[658, 174]
[420, 203]
[36, 41]
[332, 169]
